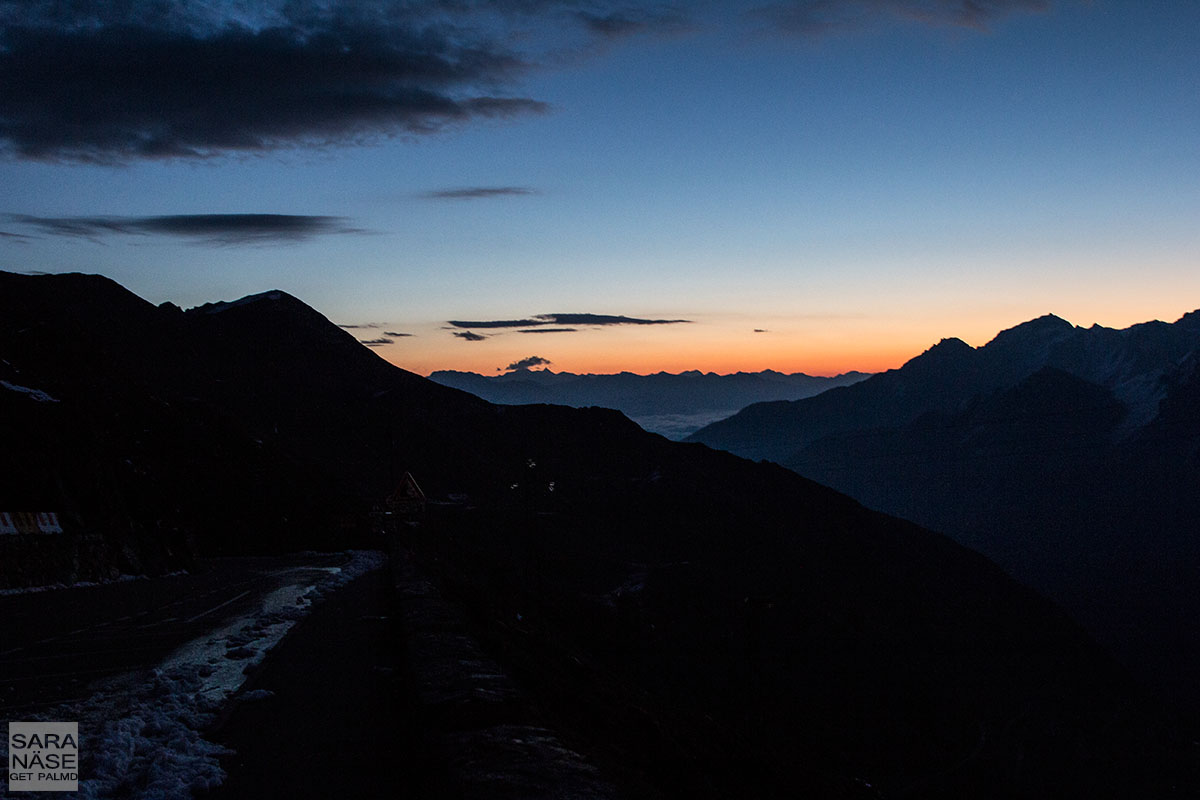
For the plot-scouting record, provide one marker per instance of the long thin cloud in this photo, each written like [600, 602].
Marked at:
[604, 319]
[493, 323]
[478, 192]
[563, 320]
[201, 228]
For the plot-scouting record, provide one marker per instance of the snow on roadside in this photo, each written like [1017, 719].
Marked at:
[34, 394]
[142, 735]
[54, 587]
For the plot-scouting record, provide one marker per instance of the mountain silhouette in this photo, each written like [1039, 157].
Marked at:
[711, 626]
[1065, 454]
[673, 405]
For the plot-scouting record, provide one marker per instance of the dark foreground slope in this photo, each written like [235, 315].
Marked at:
[706, 625]
[1070, 456]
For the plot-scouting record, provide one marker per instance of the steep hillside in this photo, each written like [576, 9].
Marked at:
[714, 627]
[1065, 454]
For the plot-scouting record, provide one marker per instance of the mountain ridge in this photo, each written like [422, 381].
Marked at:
[1063, 453]
[687, 607]
[1131, 361]
[673, 404]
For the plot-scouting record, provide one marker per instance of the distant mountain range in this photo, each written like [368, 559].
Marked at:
[673, 405]
[1071, 456]
[712, 626]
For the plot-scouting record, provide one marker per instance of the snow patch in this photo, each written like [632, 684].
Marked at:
[1141, 394]
[53, 587]
[34, 394]
[225, 305]
[634, 584]
[141, 735]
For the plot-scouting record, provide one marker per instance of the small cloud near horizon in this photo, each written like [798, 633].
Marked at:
[375, 342]
[526, 363]
[468, 336]
[397, 334]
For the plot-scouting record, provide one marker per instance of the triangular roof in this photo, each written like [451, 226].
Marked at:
[407, 490]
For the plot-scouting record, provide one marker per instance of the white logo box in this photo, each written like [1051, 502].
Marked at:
[43, 756]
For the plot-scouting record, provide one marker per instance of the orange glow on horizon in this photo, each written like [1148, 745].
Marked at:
[816, 346]
[603, 357]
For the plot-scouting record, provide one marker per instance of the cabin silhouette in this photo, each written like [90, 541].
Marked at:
[407, 498]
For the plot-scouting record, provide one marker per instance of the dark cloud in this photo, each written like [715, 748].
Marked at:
[153, 79]
[526, 363]
[375, 342]
[367, 325]
[562, 320]
[816, 17]
[397, 334]
[115, 82]
[549, 330]
[205, 228]
[478, 192]
[468, 336]
[16, 237]
[604, 319]
[761, 330]
[495, 323]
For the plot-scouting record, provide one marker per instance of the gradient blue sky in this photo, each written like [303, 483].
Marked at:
[817, 186]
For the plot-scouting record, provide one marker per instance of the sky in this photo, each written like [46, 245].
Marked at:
[596, 186]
